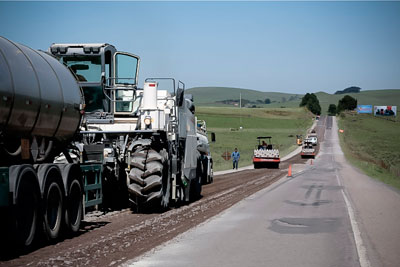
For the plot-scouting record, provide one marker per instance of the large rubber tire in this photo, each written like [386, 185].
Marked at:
[149, 182]
[204, 170]
[196, 184]
[53, 201]
[211, 176]
[26, 210]
[74, 206]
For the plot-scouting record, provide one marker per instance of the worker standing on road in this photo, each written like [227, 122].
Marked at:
[235, 157]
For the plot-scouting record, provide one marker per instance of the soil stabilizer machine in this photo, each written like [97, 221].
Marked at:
[76, 132]
[148, 137]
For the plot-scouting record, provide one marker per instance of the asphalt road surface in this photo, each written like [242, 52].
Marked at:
[328, 215]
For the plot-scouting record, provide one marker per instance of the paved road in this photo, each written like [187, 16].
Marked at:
[329, 215]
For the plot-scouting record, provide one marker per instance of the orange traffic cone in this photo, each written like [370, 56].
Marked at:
[290, 171]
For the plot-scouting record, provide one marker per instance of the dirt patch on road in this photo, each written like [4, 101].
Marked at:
[116, 237]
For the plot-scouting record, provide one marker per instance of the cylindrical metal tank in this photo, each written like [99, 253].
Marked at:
[149, 96]
[38, 95]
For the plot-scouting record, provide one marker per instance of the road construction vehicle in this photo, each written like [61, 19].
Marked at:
[74, 138]
[265, 154]
[312, 137]
[299, 139]
[307, 150]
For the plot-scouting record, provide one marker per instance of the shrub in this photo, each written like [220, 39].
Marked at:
[346, 103]
[312, 103]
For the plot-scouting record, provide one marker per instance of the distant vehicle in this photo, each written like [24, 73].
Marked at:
[299, 139]
[265, 155]
[313, 138]
[308, 149]
[317, 118]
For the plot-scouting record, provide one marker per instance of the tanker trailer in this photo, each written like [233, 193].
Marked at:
[40, 113]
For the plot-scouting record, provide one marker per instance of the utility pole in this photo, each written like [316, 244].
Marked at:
[240, 110]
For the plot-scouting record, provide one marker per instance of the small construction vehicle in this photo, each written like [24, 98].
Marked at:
[308, 150]
[299, 139]
[265, 155]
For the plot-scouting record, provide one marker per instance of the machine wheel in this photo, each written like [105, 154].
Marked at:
[53, 199]
[211, 177]
[180, 196]
[74, 208]
[27, 208]
[196, 184]
[149, 177]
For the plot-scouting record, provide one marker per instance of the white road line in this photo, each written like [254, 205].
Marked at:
[361, 250]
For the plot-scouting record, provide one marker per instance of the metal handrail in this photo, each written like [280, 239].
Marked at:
[116, 89]
[163, 78]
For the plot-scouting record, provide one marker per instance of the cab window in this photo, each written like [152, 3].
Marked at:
[86, 68]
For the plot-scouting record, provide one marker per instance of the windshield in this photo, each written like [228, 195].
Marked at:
[86, 68]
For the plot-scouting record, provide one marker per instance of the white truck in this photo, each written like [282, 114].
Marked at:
[308, 150]
[312, 137]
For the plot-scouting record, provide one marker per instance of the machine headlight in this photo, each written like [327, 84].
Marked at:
[147, 120]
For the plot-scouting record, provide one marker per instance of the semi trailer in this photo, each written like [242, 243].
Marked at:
[76, 132]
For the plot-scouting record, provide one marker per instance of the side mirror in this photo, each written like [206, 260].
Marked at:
[179, 97]
[213, 139]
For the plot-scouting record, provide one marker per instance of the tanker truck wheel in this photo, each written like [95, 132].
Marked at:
[26, 210]
[53, 199]
[149, 182]
[74, 208]
[72, 179]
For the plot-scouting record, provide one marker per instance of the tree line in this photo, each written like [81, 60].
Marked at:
[311, 102]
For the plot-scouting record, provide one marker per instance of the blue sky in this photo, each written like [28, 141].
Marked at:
[293, 47]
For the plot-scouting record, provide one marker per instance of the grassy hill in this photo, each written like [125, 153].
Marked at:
[389, 97]
[211, 96]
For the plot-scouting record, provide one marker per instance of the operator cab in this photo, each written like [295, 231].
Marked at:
[107, 77]
[264, 145]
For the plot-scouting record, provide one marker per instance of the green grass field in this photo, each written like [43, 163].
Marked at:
[208, 96]
[373, 145]
[282, 124]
